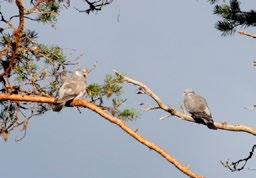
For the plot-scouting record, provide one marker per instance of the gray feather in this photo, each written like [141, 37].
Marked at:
[73, 86]
[197, 106]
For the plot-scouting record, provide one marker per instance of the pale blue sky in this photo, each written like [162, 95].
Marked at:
[170, 46]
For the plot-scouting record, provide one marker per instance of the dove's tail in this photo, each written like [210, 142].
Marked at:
[57, 108]
[210, 124]
[202, 118]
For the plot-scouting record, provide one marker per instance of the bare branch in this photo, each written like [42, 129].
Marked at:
[164, 117]
[147, 91]
[247, 34]
[180, 115]
[95, 5]
[150, 109]
[110, 118]
[240, 164]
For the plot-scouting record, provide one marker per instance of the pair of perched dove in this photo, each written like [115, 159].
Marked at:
[197, 106]
[73, 87]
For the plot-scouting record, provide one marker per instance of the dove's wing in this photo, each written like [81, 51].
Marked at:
[197, 106]
[72, 87]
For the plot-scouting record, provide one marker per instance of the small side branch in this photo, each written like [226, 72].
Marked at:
[240, 164]
[247, 34]
[146, 90]
[95, 5]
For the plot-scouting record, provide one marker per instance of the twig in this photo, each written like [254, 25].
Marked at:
[240, 164]
[164, 117]
[247, 34]
[95, 5]
[150, 109]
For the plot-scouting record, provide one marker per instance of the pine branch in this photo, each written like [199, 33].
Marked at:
[232, 17]
[17, 35]
[110, 118]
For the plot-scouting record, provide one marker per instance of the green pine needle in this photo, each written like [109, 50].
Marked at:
[53, 54]
[94, 90]
[112, 85]
[128, 114]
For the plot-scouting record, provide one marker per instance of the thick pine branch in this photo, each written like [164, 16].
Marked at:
[110, 118]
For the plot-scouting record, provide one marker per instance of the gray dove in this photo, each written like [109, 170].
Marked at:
[197, 106]
[74, 86]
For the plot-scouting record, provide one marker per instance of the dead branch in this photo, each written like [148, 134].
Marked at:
[240, 164]
[145, 89]
[110, 118]
[95, 5]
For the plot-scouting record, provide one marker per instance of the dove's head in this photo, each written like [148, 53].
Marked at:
[188, 92]
[79, 73]
[83, 73]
